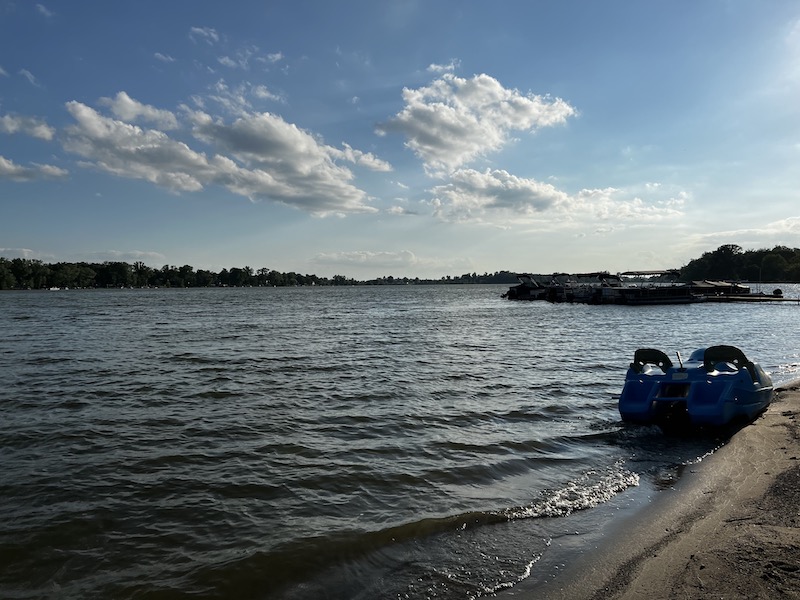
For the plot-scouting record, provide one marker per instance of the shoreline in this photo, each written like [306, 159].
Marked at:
[730, 528]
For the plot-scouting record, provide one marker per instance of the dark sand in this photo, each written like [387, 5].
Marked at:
[730, 529]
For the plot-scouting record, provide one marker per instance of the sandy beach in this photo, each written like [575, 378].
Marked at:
[729, 529]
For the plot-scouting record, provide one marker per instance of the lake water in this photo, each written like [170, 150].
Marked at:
[361, 442]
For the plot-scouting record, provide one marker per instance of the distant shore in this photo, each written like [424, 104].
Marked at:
[729, 529]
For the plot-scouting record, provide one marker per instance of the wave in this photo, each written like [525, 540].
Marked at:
[304, 559]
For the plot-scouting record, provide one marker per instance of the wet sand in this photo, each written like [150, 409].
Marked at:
[730, 529]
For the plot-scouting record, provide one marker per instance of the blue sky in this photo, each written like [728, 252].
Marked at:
[405, 138]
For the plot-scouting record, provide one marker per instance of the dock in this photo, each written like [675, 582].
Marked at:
[750, 298]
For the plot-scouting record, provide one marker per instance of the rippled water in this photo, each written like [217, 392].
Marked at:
[365, 442]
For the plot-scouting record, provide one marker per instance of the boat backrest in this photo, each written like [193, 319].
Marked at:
[727, 354]
[650, 356]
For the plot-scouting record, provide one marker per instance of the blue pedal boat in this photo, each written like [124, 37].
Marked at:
[716, 386]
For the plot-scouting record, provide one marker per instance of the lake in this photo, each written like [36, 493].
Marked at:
[330, 442]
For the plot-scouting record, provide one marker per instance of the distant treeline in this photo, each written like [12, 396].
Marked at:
[731, 263]
[728, 262]
[25, 273]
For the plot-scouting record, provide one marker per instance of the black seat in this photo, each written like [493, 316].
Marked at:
[650, 356]
[727, 354]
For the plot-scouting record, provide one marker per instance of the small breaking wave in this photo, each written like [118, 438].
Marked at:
[594, 488]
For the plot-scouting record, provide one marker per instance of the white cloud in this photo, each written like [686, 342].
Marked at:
[238, 100]
[472, 194]
[126, 108]
[208, 35]
[300, 168]
[129, 151]
[400, 210]
[245, 56]
[273, 57]
[454, 120]
[28, 125]
[784, 231]
[787, 225]
[3, 72]
[17, 253]
[357, 157]
[10, 170]
[447, 68]
[259, 156]
[496, 197]
[262, 92]
[164, 57]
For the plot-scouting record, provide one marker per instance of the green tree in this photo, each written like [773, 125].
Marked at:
[187, 276]
[205, 278]
[7, 279]
[141, 274]
[23, 273]
[774, 267]
[64, 275]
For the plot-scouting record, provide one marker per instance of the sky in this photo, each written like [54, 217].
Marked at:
[417, 138]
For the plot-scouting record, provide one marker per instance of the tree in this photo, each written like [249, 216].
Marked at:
[114, 274]
[205, 278]
[237, 277]
[64, 275]
[187, 276]
[7, 279]
[141, 274]
[774, 267]
[21, 268]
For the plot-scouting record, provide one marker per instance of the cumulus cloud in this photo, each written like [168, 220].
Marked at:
[259, 156]
[300, 166]
[472, 194]
[10, 170]
[129, 151]
[126, 108]
[454, 120]
[500, 198]
[27, 125]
